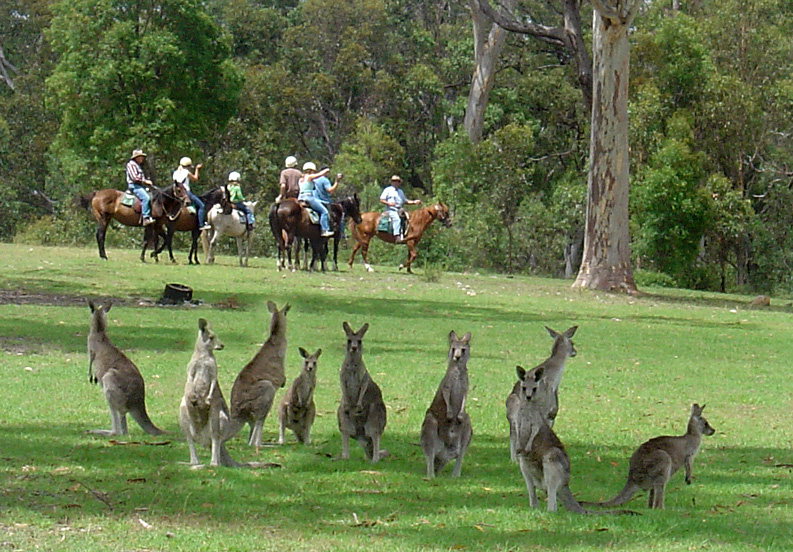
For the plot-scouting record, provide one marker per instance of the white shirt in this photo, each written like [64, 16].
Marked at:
[180, 176]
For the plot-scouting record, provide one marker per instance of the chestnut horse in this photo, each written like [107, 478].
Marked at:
[187, 221]
[290, 217]
[420, 219]
[107, 205]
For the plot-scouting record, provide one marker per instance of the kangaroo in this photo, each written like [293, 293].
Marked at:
[541, 456]
[120, 379]
[203, 413]
[361, 414]
[254, 389]
[296, 410]
[446, 431]
[654, 463]
[546, 396]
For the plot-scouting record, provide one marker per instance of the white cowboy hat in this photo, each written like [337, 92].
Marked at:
[291, 161]
[137, 153]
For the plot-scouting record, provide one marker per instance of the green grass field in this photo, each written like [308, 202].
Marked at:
[641, 363]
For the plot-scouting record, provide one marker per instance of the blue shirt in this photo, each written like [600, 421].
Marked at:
[393, 195]
[321, 186]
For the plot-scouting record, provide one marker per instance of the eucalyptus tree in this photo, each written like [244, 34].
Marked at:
[154, 74]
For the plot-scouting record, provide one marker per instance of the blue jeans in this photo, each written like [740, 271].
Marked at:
[314, 203]
[145, 202]
[199, 207]
[396, 222]
[248, 215]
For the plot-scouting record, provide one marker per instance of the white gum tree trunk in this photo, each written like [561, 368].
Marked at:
[606, 259]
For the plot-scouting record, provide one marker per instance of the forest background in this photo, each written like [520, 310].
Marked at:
[377, 87]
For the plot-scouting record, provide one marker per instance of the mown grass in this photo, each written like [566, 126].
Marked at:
[641, 363]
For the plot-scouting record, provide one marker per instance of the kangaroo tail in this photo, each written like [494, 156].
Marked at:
[569, 502]
[622, 497]
[139, 415]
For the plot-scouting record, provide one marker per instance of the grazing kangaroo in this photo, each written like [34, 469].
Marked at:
[120, 379]
[203, 414]
[541, 455]
[656, 461]
[254, 389]
[361, 414]
[296, 410]
[446, 431]
[546, 398]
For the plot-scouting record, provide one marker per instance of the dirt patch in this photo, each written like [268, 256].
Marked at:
[51, 299]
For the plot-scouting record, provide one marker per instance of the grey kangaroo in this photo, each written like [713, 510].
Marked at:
[541, 455]
[656, 461]
[203, 413]
[361, 414]
[297, 410]
[254, 389]
[546, 397]
[446, 431]
[120, 379]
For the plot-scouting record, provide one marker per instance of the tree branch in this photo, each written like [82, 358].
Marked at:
[506, 19]
[5, 64]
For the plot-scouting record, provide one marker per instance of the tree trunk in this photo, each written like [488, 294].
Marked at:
[488, 41]
[606, 259]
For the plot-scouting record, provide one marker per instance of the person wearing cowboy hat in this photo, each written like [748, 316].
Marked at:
[290, 180]
[393, 198]
[183, 176]
[137, 184]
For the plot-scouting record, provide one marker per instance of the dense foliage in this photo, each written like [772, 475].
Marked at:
[376, 87]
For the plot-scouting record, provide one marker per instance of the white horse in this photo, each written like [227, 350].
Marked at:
[227, 225]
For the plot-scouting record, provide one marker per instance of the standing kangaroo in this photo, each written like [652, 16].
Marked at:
[361, 414]
[203, 413]
[546, 397]
[656, 461]
[541, 455]
[254, 389]
[120, 379]
[297, 410]
[446, 431]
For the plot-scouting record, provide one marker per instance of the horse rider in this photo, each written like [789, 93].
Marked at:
[290, 180]
[137, 183]
[183, 176]
[393, 198]
[236, 197]
[308, 196]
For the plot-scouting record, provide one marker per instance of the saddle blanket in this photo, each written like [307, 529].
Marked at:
[384, 223]
[313, 216]
[128, 199]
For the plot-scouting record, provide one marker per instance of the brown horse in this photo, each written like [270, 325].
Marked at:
[420, 219]
[187, 221]
[107, 205]
[291, 218]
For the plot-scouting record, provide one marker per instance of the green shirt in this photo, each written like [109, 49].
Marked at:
[235, 192]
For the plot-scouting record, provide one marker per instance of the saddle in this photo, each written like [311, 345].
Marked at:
[384, 222]
[132, 201]
[312, 214]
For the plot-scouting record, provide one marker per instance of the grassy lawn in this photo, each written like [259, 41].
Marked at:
[641, 363]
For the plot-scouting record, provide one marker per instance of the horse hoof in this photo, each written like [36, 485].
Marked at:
[401, 267]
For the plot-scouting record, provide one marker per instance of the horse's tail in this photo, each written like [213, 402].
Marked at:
[84, 200]
[275, 226]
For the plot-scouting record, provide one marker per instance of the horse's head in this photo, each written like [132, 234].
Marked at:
[441, 212]
[351, 206]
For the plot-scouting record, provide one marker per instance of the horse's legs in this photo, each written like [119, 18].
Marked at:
[239, 251]
[101, 230]
[248, 237]
[365, 255]
[411, 257]
[336, 239]
[193, 255]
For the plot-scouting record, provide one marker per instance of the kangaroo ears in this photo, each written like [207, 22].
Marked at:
[453, 337]
[202, 324]
[95, 308]
[552, 333]
[363, 329]
[286, 308]
[271, 307]
[521, 372]
[570, 332]
[696, 410]
[346, 327]
[319, 352]
[302, 352]
[91, 306]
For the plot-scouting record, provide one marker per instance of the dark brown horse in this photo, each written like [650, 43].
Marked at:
[187, 221]
[291, 218]
[109, 204]
[420, 219]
